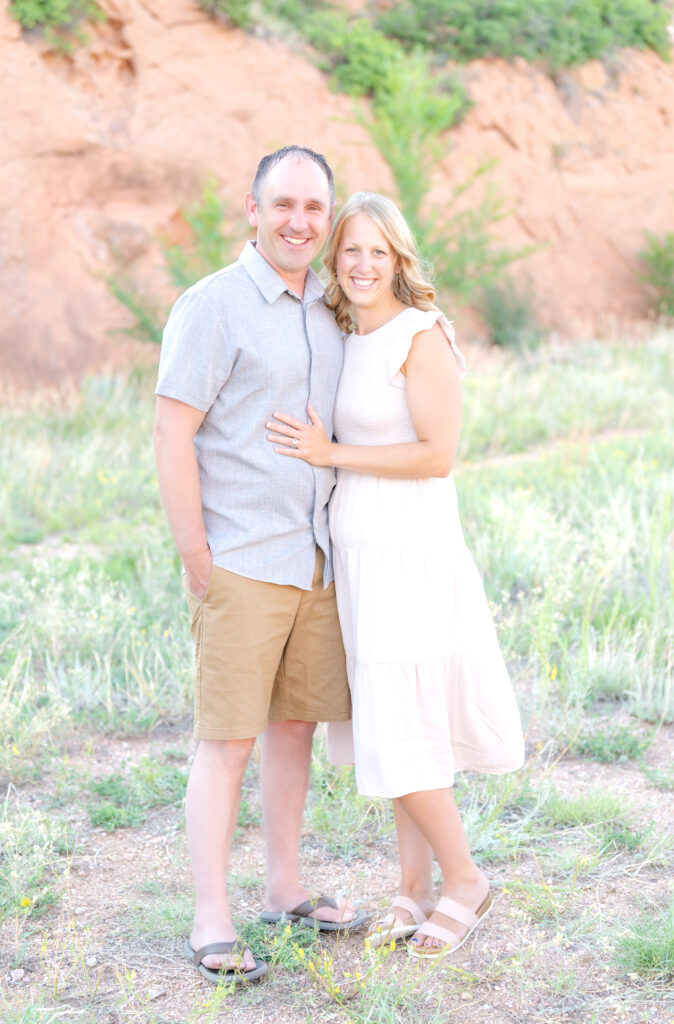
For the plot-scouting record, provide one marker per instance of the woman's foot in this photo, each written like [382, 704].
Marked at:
[458, 912]
[403, 919]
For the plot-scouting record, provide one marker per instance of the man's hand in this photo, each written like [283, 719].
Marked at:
[198, 569]
[174, 428]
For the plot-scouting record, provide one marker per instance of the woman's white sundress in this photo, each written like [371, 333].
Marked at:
[431, 693]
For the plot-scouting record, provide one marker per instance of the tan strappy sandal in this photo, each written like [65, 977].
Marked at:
[391, 928]
[451, 940]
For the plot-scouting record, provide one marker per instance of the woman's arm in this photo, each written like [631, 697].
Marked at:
[434, 401]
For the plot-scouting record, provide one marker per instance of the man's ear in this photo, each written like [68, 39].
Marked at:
[332, 215]
[251, 209]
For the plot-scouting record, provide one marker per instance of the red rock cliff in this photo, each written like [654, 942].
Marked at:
[100, 152]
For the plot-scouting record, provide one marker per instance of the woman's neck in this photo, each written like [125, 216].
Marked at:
[368, 320]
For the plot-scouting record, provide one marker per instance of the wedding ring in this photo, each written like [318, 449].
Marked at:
[295, 442]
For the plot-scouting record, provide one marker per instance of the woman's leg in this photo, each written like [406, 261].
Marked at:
[436, 816]
[416, 863]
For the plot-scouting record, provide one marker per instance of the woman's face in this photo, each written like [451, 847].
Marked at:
[366, 264]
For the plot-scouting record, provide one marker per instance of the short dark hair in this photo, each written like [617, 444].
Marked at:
[299, 152]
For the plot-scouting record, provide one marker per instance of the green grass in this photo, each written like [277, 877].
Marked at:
[588, 808]
[569, 538]
[160, 914]
[33, 846]
[344, 821]
[612, 743]
[125, 799]
[646, 946]
[660, 779]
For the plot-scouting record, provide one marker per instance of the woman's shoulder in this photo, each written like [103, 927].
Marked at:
[420, 320]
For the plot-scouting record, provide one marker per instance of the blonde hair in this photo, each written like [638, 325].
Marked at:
[409, 284]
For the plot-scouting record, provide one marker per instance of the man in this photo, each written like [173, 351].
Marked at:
[251, 532]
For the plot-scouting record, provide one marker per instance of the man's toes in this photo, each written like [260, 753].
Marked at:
[229, 963]
[343, 912]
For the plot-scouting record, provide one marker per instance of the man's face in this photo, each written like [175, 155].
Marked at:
[292, 218]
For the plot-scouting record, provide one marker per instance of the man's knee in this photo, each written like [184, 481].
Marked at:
[230, 756]
[291, 729]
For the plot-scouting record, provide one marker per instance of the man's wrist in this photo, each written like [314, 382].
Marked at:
[195, 559]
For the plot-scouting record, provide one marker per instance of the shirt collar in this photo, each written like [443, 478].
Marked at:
[270, 284]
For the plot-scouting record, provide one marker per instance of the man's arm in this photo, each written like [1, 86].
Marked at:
[175, 425]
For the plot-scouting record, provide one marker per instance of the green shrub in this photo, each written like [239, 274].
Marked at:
[509, 314]
[61, 14]
[148, 318]
[658, 259]
[209, 249]
[60, 19]
[366, 61]
[559, 32]
[457, 239]
[235, 11]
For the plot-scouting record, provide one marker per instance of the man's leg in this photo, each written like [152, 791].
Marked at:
[284, 780]
[211, 807]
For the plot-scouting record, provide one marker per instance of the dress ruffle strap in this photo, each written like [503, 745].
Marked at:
[407, 327]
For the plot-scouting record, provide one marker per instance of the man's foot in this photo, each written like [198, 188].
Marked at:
[228, 975]
[285, 901]
[201, 937]
[443, 932]
[319, 912]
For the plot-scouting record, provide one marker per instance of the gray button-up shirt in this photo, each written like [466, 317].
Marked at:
[239, 346]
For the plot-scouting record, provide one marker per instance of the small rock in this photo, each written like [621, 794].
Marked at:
[91, 961]
[17, 974]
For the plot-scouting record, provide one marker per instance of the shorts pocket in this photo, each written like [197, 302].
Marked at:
[192, 597]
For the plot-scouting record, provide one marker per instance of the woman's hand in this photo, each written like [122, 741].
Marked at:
[307, 441]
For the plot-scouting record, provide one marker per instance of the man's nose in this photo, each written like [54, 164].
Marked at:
[298, 221]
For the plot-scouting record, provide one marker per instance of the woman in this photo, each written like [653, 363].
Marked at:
[431, 694]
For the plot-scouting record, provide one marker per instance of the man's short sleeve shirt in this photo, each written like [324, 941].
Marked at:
[239, 346]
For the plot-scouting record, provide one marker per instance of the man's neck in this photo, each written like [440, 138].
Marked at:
[294, 281]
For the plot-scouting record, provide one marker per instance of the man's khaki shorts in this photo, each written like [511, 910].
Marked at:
[264, 653]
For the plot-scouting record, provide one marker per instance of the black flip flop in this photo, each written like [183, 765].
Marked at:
[225, 974]
[302, 914]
